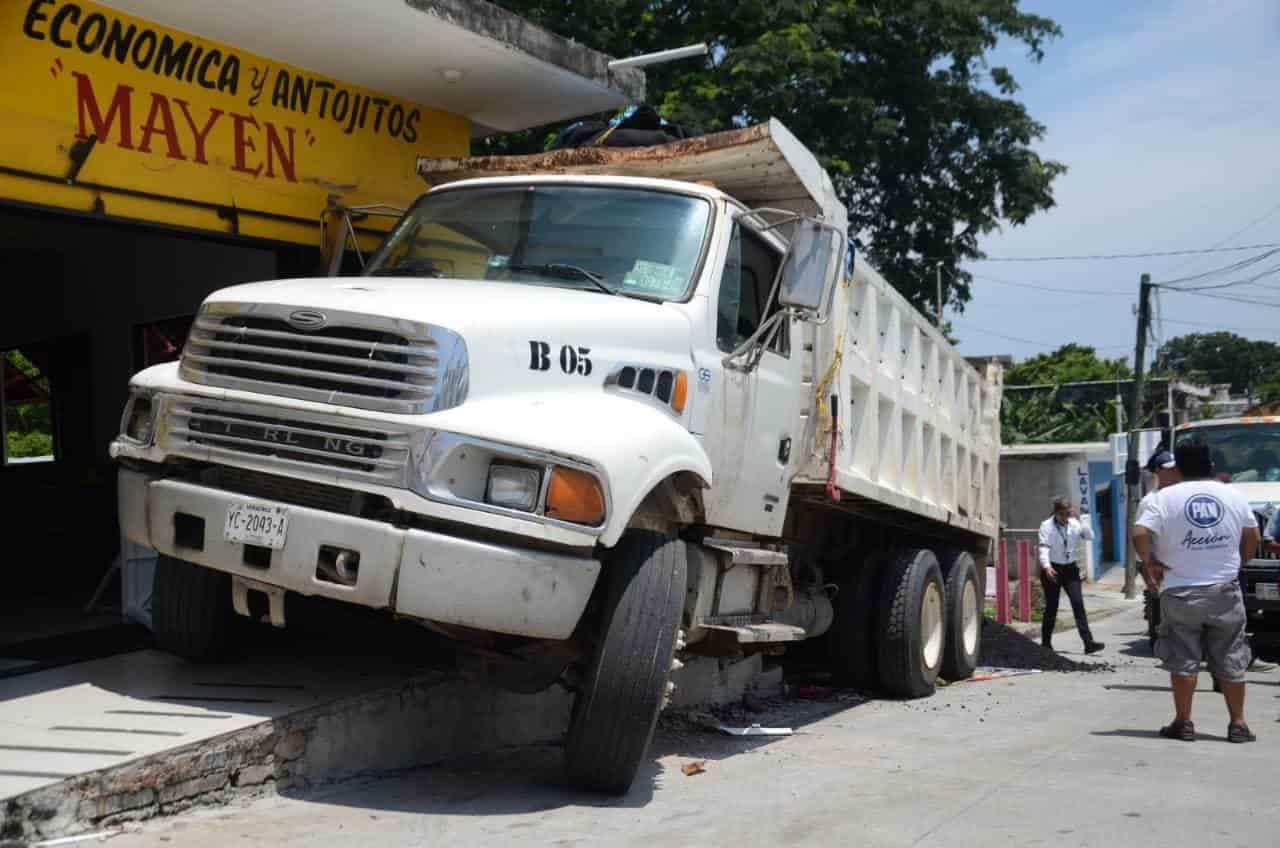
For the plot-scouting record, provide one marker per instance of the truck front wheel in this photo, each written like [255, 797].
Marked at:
[190, 610]
[624, 684]
[912, 624]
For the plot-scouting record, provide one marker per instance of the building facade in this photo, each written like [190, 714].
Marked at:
[157, 150]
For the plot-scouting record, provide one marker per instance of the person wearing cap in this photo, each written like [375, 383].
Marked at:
[1060, 535]
[1192, 538]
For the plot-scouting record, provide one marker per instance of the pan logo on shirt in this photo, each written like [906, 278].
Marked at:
[1204, 511]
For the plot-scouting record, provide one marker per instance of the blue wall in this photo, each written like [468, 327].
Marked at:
[1100, 473]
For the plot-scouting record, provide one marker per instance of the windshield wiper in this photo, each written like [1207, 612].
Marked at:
[417, 268]
[565, 272]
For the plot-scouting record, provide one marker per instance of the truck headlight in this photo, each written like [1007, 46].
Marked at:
[513, 486]
[139, 421]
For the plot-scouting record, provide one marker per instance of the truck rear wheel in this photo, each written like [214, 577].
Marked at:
[624, 685]
[912, 624]
[964, 617]
[190, 610]
[853, 634]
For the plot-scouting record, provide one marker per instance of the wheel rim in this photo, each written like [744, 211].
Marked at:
[931, 625]
[969, 618]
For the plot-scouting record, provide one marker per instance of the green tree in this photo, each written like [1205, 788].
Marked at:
[1071, 363]
[1220, 357]
[1058, 414]
[925, 142]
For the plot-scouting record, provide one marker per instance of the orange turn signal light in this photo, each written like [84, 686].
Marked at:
[680, 392]
[575, 496]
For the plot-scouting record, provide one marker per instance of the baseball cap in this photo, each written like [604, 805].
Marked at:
[1160, 459]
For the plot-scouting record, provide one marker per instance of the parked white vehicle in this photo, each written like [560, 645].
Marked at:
[593, 418]
[1246, 454]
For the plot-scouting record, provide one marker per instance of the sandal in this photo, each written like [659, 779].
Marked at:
[1240, 733]
[1184, 731]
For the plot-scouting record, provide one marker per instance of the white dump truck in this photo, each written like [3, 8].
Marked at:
[588, 411]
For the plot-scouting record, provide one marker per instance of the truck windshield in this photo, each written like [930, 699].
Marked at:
[622, 241]
[1242, 453]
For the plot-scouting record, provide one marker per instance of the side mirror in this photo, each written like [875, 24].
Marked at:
[813, 264]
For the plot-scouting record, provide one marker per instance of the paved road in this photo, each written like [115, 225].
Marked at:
[1047, 759]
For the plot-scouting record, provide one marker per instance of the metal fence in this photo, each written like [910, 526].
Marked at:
[1015, 558]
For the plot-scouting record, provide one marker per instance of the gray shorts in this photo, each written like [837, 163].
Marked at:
[1204, 623]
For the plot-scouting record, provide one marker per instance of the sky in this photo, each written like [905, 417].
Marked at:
[1167, 113]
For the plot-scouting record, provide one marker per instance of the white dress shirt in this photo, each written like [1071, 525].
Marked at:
[1058, 542]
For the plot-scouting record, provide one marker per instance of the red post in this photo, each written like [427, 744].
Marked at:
[1024, 580]
[1002, 582]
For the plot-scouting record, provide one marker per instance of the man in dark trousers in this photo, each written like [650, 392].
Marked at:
[1060, 535]
[1192, 538]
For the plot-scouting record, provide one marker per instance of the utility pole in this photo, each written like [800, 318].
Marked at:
[938, 270]
[1132, 471]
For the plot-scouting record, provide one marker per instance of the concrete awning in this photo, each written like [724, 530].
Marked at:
[513, 75]
[761, 165]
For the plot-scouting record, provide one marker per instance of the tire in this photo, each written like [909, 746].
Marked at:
[625, 683]
[912, 624]
[853, 634]
[964, 617]
[191, 610]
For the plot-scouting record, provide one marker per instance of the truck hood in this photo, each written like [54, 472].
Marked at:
[519, 338]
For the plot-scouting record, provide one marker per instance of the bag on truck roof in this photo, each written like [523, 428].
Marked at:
[636, 126]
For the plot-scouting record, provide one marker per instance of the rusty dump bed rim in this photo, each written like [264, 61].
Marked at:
[761, 165]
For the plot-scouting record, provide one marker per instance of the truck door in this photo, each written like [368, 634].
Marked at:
[753, 439]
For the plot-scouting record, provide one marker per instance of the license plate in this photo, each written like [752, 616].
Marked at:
[1267, 591]
[257, 524]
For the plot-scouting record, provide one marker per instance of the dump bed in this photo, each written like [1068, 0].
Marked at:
[919, 426]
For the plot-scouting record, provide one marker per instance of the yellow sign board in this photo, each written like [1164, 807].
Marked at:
[110, 113]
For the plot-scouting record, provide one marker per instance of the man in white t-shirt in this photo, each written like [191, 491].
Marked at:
[1192, 538]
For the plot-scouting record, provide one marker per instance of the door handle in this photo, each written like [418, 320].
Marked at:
[784, 450]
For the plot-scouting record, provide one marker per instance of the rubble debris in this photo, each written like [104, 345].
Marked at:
[1004, 647]
[694, 767]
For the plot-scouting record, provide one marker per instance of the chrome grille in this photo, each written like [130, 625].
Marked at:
[362, 361]
[227, 432]
[286, 489]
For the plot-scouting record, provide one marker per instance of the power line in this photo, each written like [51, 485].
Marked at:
[1102, 256]
[1235, 266]
[1266, 272]
[1037, 343]
[1219, 326]
[1246, 300]
[1050, 288]
[1249, 226]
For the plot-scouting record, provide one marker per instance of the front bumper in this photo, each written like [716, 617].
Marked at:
[415, 573]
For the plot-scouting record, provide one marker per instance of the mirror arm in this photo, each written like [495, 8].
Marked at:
[753, 345]
[763, 226]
